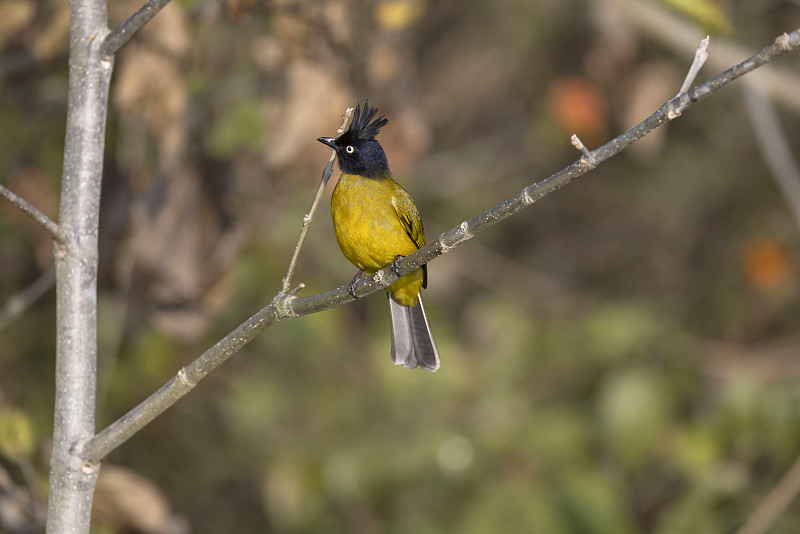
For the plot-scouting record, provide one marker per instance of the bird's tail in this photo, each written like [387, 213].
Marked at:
[412, 342]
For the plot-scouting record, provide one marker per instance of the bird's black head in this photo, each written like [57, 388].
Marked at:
[357, 150]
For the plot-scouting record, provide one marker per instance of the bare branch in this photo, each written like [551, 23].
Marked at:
[673, 31]
[700, 57]
[33, 212]
[578, 144]
[72, 482]
[17, 304]
[125, 31]
[774, 146]
[309, 217]
[126, 426]
[288, 306]
[775, 503]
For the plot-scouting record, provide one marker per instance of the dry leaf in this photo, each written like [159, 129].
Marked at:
[53, 39]
[337, 16]
[125, 500]
[15, 16]
[269, 54]
[314, 100]
[182, 250]
[151, 85]
[650, 86]
[32, 185]
[388, 63]
[167, 33]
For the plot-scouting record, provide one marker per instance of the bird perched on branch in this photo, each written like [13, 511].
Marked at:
[376, 223]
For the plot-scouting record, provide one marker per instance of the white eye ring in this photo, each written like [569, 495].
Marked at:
[349, 149]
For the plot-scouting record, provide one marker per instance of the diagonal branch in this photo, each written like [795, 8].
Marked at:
[666, 113]
[774, 146]
[123, 33]
[286, 306]
[674, 32]
[33, 212]
[700, 57]
[309, 217]
[19, 303]
[775, 503]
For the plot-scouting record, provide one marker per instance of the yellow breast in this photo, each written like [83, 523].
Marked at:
[375, 221]
[368, 226]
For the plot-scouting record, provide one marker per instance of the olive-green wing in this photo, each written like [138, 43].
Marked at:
[409, 216]
[412, 222]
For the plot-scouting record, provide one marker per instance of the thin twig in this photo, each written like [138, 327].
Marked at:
[775, 503]
[700, 57]
[19, 303]
[187, 378]
[774, 146]
[578, 144]
[656, 22]
[309, 217]
[285, 306]
[33, 212]
[123, 33]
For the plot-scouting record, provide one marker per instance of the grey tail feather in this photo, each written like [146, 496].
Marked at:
[412, 341]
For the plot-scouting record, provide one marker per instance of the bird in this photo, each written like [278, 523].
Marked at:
[377, 223]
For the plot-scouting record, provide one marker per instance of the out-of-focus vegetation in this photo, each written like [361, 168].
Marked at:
[622, 357]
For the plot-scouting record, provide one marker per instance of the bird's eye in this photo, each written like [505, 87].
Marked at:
[349, 149]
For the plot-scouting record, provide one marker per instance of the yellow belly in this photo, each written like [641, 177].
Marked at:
[368, 222]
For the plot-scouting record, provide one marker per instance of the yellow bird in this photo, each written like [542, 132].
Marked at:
[376, 223]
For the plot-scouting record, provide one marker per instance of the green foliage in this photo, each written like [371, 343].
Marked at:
[706, 13]
[595, 503]
[17, 438]
[634, 412]
[241, 126]
[513, 506]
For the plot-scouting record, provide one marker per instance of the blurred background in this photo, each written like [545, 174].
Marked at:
[622, 357]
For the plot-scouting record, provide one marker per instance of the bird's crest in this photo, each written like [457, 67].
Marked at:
[361, 128]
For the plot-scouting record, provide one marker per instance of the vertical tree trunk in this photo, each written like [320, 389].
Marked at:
[71, 482]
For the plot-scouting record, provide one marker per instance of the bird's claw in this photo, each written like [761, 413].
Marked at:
[395, 267]
[351, 287]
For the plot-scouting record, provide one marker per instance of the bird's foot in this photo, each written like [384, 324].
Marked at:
[351, 287]
[395, 268]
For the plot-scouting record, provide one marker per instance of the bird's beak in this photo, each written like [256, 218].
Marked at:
[327, 141]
